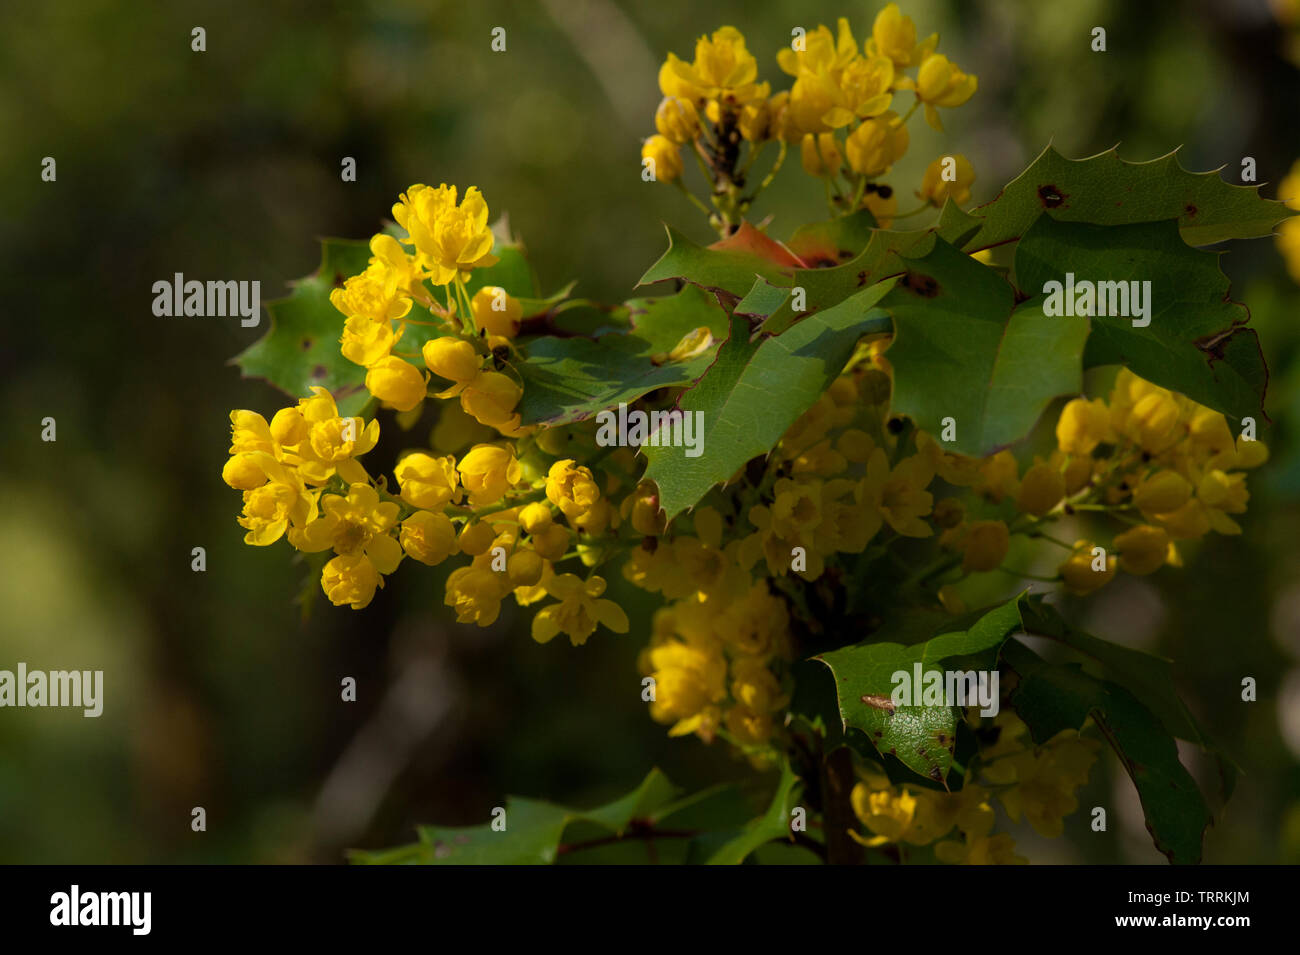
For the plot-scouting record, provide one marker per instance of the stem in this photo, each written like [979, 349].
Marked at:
[837, 808]
[695, 200]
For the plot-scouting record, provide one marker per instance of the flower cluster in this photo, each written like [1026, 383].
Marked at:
[447, 242]
[1036, 783]
[842, 111]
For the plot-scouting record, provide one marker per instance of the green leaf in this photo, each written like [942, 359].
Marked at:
[301, 348]
[754, 391]
[922, 737]
[532, 834]
[1196, 343]
[1107, 190]
[570, 378]
[963, 350]
[773, 824]
[1053, 697]
[1148, 677]
[835, 241]
[729, 272]
[1102, 189]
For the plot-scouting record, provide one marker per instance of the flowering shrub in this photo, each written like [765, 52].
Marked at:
[825, 456]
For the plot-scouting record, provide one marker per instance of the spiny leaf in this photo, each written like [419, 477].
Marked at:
[1196, 343]
[568, 379]
[961, 350]
[532, 833]
[922, 737]
[1107, 190]
[301, 348]
[1055, 697]
[754, 391]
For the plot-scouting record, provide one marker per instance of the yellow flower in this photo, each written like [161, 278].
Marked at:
[820, 155]
[877, 144]
[426, 481]
[689, 679]
[894, 35]
[487, 471]
[1041, 489]
[986, 545]
[243, 471]
[475, 593]
[723, 70]
[491, 398]
[1187, 522]
[677, 120]
[1154, 422]
[366, 343]
[1161, 492]
[822, 52]
[272, 507]
[863, 91]
[1142, 549]
[327, 443]
[899, 496]
[572, 489]
[755, 121]
[496, 311]
[1223, 494]
[428, 537]
[373, 295]
[935, 189]
[665, 158]
[1083, 572]
[462, 240]
[755, 686]
[250, 432]
[525, 568]
[579, 611]
[939, 82]
[397, 382]
[454, 359]
[350, 579]
[1082, 426]
[476, 538]
[418, 211]
[354, 524]
[1045, 780]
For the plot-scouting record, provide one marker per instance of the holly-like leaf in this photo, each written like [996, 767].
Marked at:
[963, 350]
[834, 241]
[754, 391]
[301, 348]
[729, 270]
[570, 378]
[1107, 190]
[773, 824]
[1055, 697]
[1102, 189]
[1197, 342]
[1148, 677]
[532, 833]
[922, 737]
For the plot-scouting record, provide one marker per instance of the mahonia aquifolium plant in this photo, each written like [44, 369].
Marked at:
[891, 437]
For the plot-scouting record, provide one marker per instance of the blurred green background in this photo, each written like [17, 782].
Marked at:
[225, 164]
